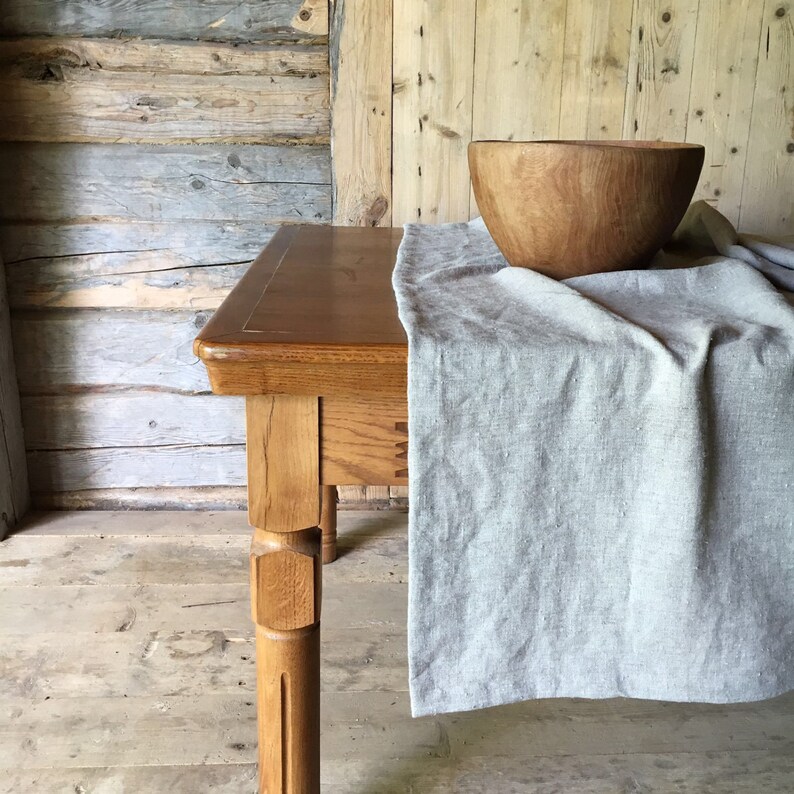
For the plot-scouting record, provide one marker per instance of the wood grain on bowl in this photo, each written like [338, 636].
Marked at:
[570, 208]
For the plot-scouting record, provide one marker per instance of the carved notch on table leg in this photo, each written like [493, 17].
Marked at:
[285, 579]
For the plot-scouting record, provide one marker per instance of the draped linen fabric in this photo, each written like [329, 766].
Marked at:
[601, 474]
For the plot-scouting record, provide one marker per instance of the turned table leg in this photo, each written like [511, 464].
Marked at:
[328, 523]
[286, 570]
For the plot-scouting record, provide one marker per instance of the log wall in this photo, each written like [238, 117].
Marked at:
[147, 153]
[150, 149]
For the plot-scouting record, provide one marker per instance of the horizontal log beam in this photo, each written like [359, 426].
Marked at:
[32, 56]
[215, 20]
[65, 90]
[131, 419]
[72, 183]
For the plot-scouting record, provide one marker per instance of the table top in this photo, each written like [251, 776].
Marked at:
[316, 296]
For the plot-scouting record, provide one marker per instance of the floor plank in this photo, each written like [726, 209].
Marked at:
[126, 665]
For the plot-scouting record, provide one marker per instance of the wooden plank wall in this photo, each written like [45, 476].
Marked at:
[717, 72]
[13, 469]
[147, 152]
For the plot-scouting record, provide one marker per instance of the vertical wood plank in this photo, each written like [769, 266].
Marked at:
[14, 496]
[595, 68]
[360, 46]
[768, 196]
[660, 69]
[432, 105]
[361, 68]
[518, 69]
[721, 100]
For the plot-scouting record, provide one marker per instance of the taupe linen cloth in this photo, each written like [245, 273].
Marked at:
[601, 477]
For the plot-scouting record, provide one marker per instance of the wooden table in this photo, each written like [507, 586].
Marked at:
[311, 337]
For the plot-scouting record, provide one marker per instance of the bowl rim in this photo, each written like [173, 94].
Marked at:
[613, 144]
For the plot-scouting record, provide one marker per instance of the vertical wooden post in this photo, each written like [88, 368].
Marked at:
[13, 464]
[328, 523]
[286, 570]
[360, 54]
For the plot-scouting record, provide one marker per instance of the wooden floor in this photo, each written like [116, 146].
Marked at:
[127, 666]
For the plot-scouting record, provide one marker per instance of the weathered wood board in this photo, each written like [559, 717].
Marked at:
[432, 110]
[128, 419]
[370, 659]
[357, 528]
[718, 73]
[721, 99]
[432, 770]
[595, 67]
[169, 673]
[171, 466]
[186, 607]
[34, 57]
[157, 560]
[767, 205]
[60, 93]
[661, 63]
[13, 467]
[215, 20]
[59, 182]
[123, 349]
[128, 264]
[361, 86]
[223, 498]
[518, 54]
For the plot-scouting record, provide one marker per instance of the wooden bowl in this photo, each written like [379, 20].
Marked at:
[570, 208]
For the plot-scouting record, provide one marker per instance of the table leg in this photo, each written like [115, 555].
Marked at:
[286, 571]
[328, 523]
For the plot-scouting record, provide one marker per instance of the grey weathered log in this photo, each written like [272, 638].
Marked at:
[131, 419]
[44, 57]
[173, 466]
[176, 244]
[62, 182]
[122, 264]
[222, 498]
[84, 105]
[84, 348]
[13, 467]
[117, 264]
[213, 20]
[131, 279]
[72, 100]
